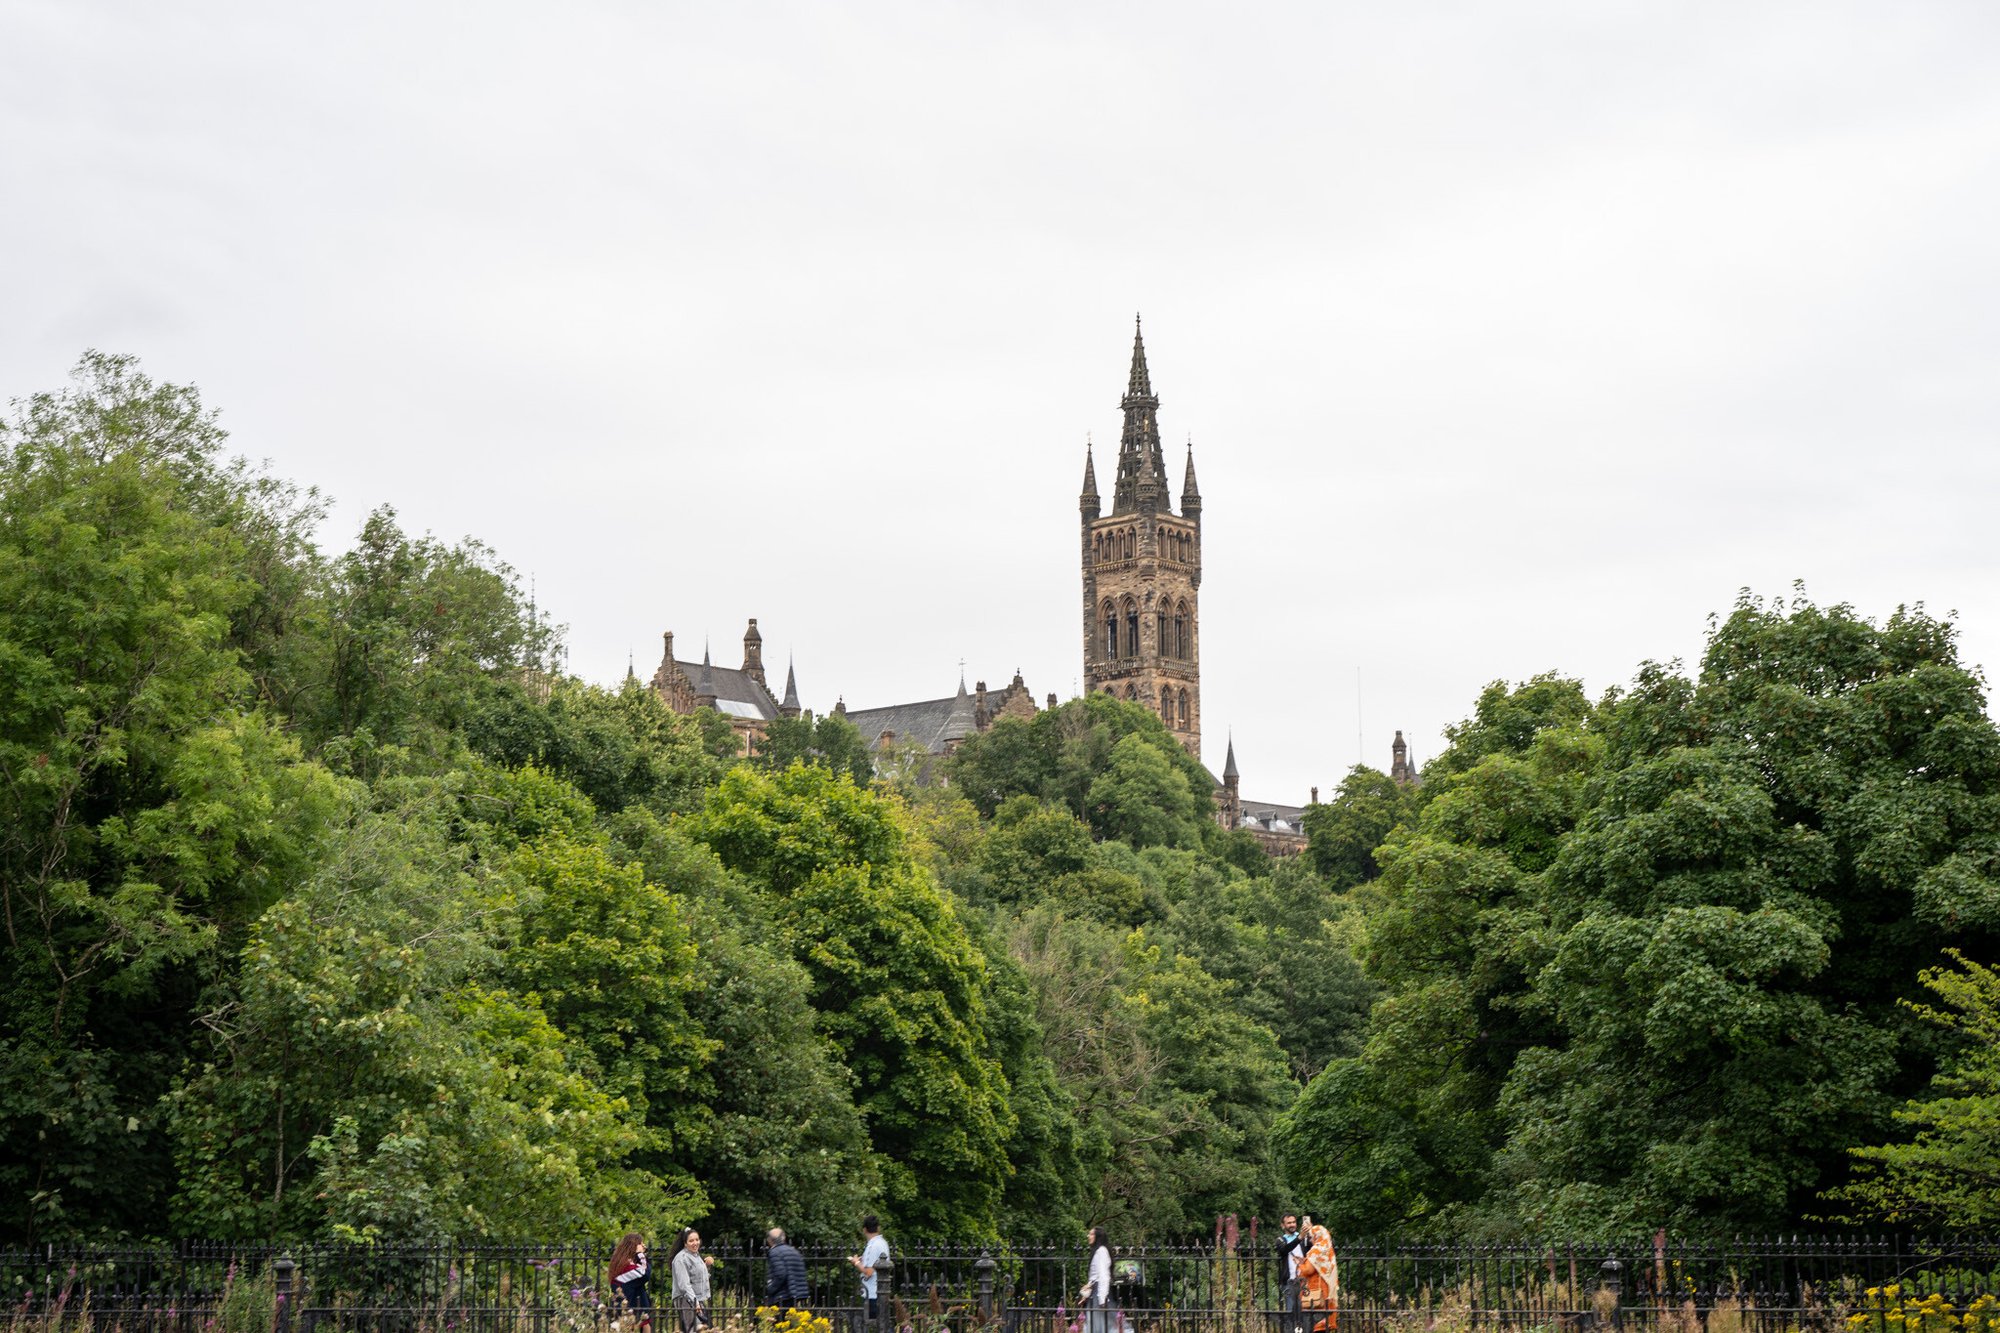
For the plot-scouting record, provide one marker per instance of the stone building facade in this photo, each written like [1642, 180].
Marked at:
[740, 694]
[1142, 570]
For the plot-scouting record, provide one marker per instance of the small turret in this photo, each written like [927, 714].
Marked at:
[1190, 493]
[1089, 502]
[1229, 800]
[704, 685]
[790, 707]
[753, 653]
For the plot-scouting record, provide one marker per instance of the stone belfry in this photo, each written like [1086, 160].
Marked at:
[1142, 571]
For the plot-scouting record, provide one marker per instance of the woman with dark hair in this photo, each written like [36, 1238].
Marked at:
[1096, 1293]
[690, 1281]
[628, 1278]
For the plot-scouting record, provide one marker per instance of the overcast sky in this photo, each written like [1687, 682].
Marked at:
[1511, 336]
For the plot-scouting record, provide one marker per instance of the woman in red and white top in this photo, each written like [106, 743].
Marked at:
[628, 1278]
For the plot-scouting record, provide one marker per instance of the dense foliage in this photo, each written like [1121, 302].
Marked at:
[1642, 959]
[328, 908]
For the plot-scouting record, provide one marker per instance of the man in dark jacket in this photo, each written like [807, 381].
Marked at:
[1291, 1251]
[784, 1273]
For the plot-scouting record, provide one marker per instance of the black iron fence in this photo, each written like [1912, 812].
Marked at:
[1773, 1285]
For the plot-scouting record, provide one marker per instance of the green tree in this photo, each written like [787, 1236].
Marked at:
[1946, 1176]
[1400, 1137]
[1141, 798]
[147, 818]
[617, 748]
[1175, 1090]
[365, 1079]
[831, 741]
[896, 982]
[414, 638]
[1277, 939]
[1783, 843]
[1342, 835]
[1060, 754]
[775, 1136]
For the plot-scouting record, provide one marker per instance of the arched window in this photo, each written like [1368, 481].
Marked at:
[1161, 643]
[1183, 639]
[1167, 707]
[1184, 711]
[1131, 628]
[1131, 692]
[1110, 630]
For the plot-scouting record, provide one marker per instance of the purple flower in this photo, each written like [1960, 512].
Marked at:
[576, 1293]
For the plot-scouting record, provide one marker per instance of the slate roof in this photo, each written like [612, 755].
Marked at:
[1268, 817]
[734, 687]
[933, 722]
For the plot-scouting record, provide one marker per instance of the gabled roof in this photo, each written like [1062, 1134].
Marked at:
[737, 693]
[933, 723]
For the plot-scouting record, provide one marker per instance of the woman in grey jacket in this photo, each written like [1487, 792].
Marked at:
[690, 1282]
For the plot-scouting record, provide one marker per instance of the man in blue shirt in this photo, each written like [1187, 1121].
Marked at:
[874, 1250]
[1292, 1246]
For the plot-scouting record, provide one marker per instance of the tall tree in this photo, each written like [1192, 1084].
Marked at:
[897, 983]
[145, 819]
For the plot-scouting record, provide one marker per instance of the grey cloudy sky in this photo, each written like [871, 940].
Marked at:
[1511, 336]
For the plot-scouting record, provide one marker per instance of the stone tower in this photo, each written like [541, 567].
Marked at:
[1142, 571]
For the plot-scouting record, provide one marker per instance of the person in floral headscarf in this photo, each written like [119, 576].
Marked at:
[1319, 1279]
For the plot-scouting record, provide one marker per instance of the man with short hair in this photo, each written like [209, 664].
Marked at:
[874, 1251]
[784, 1273]
[1292, 1247]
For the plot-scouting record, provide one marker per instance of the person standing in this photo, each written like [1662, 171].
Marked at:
[628, 1278]
[690, 1270]
[1319, 1278]
[874, 1250]
[785, 1273]
[1096, 1293]
[1291, 1251]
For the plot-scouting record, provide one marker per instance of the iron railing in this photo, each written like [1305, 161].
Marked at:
[1767, 1285]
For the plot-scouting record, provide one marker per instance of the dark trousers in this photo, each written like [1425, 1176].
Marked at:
[1293, 1318]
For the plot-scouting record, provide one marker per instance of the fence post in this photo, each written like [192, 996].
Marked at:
[984, 1266]
[282, 1272]
[885, 1300]
[1608, 1285]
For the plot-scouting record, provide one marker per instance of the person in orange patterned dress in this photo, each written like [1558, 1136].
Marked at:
[1319, 1279]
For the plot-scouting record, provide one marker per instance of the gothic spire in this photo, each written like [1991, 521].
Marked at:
[789, 706]
[704, 685]
[1088, 500]
[1142, 466]
[1140, 385]
[1190, 493]
[1229, 774]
